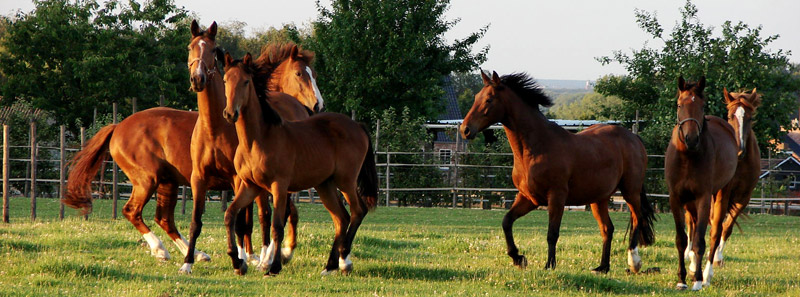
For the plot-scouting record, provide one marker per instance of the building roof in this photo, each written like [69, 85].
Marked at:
[451, 111]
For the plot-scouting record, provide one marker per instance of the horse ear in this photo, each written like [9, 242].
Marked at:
[495, 78]
[195, 29]
[702, 83]
[220, 54]
[212, 31]
[228, 60]
[681, 83]
[485, 78]
[247, 60]
[295, 52]
[727, 96]
[755, 99]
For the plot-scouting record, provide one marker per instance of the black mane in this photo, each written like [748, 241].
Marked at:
[260, 85]
[527, 89]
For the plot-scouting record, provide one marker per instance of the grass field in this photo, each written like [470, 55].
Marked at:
[398, 251]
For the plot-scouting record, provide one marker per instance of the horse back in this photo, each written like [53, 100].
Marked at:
[155, 141]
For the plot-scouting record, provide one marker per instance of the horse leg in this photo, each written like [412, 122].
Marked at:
[165, 217]
[727, 229]
[699, 248]
[264, 213]
[279, 192]
[678, 214]
[358, 210]
[687, 255]
[243, 230]
[555, 210]
[291, 234]
[718, 210]
[600, 212]
[199, 188]
[133, 212]
[244, 196]
[341, 220]
[522, 206]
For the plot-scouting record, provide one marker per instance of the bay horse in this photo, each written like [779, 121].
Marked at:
[555, 168]
[700, 160]
[150, 148]
[214, 141]
[326, 151]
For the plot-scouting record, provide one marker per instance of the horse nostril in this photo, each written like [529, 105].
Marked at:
[316, 107]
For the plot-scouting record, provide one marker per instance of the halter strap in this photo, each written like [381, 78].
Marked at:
[680, 131]
[209, 72]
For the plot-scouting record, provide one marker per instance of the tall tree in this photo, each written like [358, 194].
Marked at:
[71, 57]
[738, 59]
[375, 54]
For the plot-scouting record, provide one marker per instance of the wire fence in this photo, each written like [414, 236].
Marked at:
[442, 178]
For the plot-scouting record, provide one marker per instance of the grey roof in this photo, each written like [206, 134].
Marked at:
[451, 111]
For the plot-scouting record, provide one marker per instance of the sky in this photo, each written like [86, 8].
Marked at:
[547, 39]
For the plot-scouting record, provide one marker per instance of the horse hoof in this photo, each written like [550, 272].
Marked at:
[719, 263]
[201, 257]
[270, 274]
[286, 255]
[255, 260]
[242, 270]
[601, 270]
[681, 287]
[185, 269]
[328, 272]
[696, 286]
[263, 266]
[160, 254]
[521, 262]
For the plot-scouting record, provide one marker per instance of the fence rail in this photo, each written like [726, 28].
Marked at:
[458, 179]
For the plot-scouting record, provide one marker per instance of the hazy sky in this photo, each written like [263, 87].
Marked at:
[548, 39]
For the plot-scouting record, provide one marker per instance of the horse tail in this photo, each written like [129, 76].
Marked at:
[83, 168]
[646, 228]
[368, 176]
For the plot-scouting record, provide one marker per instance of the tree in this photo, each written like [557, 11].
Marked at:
[376, 54]
[738, 59]
[69, 58]
[590, 106]
[231, 37]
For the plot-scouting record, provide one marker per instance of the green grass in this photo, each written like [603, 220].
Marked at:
[398, 251]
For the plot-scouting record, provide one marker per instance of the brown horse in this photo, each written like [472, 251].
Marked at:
[214, 141]
[700, 160]
[556, 168]
[150, 147]
[741, 108]
[325, 151]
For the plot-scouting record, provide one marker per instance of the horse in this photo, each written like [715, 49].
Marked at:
[150, 148]
[555, 168]
[700, 160]
[326, 151]
[741, 108]
[214, 141]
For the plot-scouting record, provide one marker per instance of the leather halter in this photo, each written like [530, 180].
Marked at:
[699, 127]
[209, 71]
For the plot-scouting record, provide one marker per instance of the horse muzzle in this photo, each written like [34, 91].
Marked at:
[231, 117]
[467, 132]
[198, 82]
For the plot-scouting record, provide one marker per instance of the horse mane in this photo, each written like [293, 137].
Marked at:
[269, 114]
[743, 98]
[275, 53]
[526, 88]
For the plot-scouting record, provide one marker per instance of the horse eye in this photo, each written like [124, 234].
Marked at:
[246, 82]
[299, 73]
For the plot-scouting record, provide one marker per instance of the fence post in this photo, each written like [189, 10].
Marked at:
[83, 139]
[133, 105]
[388, 161]
[114, 189]
[62, 182]
[5, 174]
[183, 200]
[455, 170]
[224, 200]
[161, 100]
[33, 169]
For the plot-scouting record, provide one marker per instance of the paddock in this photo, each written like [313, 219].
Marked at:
[400, 251]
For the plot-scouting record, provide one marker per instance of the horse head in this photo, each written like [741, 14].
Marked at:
[741, 107]
[487, 108]
[291, 73]
[238, 85]
[691, 117]
[203, 53]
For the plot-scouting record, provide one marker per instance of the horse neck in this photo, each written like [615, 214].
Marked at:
[527, 128]
[251, 126]
[210, 103]
[274, 80]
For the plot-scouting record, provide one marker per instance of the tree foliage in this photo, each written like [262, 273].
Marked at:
[375, 54]
[233, 38]
[587, 106]
[71, 57]
[738, 59]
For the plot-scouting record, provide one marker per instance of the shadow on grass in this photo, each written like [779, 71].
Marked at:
[590, 283]
[420, 273]
[62, 268]
[22, 246]
[377, 248]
